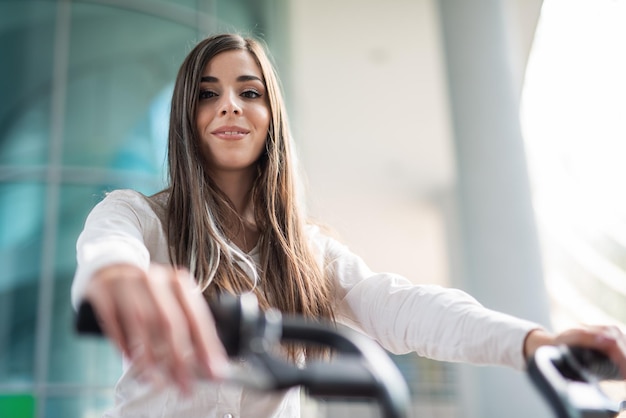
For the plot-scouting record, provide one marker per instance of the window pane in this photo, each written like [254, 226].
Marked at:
[26, 42]
[73, 358]
[120, 63]
[21, 214]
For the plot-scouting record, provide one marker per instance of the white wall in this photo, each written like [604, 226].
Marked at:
[370, 117]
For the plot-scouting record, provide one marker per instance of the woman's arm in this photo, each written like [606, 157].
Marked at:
[445, 324]
[160, 320]
[154, 313]
[113, 234]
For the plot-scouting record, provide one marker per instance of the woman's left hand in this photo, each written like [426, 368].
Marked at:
[610, 340]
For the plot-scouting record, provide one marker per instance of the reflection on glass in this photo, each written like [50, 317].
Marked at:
[25, 81]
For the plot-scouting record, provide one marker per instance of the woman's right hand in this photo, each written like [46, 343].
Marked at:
[160, 320]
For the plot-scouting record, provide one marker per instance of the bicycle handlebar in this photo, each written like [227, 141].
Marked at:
[358, 368]
[568, 379]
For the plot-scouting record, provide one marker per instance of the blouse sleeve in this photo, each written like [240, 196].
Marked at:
[433, 321]
[112, 234]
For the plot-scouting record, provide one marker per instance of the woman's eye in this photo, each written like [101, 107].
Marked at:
[251, 94]
[206, 94]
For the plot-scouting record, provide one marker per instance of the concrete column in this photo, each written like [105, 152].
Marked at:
[499, 258]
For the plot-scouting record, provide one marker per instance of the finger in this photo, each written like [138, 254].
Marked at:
[612, 342]
[172, 337]
[208, 347]
[128, 305]
[593, 337]
[107, 309]
[137, 313]
[607, 339]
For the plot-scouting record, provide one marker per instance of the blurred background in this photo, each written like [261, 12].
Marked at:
[475, 144]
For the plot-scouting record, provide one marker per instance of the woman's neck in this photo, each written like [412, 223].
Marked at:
[237, 186]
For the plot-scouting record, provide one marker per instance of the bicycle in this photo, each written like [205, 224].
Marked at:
[567, 377]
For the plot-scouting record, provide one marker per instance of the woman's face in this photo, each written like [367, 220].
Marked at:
[233, 113]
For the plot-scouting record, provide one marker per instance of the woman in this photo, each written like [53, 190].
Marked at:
[230, 221]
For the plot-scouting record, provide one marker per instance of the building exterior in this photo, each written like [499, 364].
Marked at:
[397, 154]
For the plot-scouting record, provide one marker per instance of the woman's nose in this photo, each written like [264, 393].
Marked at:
[230, 104]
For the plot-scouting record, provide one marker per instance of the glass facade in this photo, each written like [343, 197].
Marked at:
[85, 89]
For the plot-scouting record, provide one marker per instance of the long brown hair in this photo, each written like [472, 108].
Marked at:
[201, 217]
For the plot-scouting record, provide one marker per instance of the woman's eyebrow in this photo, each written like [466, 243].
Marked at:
[211, 79]
[249, 78]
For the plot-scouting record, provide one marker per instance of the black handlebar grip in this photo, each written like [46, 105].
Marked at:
[226, 312]
[87, 321]
[594, 362]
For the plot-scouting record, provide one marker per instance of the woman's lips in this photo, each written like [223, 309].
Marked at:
[230, 132]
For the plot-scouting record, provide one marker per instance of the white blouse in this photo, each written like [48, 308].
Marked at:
[433, 321]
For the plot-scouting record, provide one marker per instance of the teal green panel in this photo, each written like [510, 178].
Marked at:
[17, 406]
